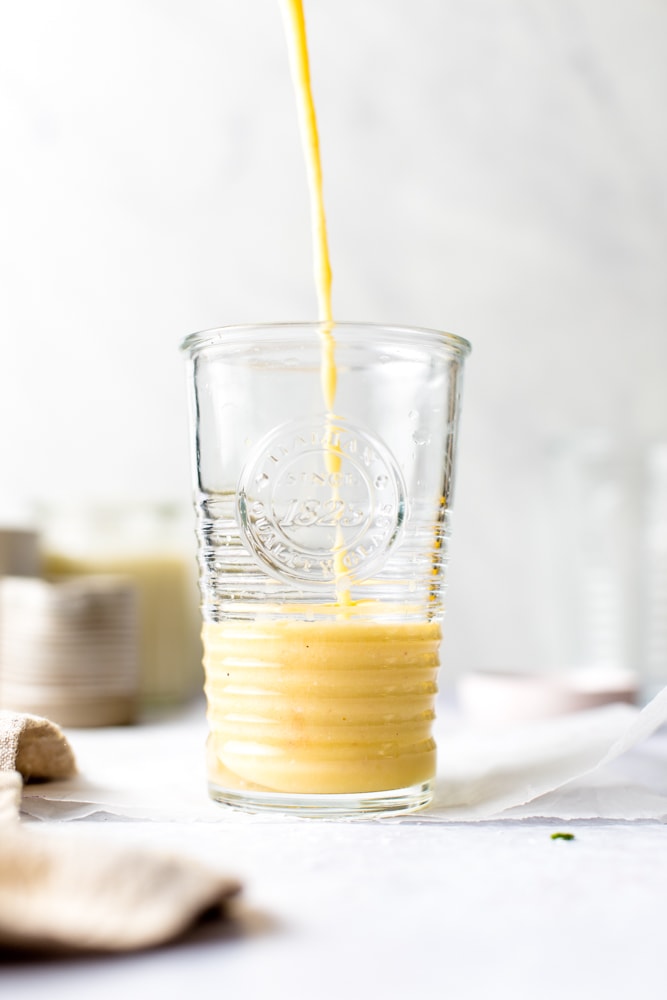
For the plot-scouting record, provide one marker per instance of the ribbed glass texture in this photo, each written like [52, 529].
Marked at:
[323, 538]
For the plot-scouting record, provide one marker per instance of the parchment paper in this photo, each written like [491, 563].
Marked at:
[589, 764]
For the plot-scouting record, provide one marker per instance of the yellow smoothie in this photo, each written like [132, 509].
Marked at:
[312, 707]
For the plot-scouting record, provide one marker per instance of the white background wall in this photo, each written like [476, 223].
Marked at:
[493, 169]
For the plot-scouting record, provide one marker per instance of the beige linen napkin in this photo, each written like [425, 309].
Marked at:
[63, 892]
[35, 747]
[31, 749]
[10, 798]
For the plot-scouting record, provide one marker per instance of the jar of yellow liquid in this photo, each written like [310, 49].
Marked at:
[150, 546]
[322, 552]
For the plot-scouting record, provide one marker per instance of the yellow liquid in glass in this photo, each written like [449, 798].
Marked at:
[312, 707]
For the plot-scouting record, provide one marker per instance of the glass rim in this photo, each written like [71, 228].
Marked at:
[214, 336]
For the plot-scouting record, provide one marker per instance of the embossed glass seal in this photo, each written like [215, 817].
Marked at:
[320, 498]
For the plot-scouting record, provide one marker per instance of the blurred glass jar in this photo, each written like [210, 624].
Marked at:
[654, 564]
[151, 544]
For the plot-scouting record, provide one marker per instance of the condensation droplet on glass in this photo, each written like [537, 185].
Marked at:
[414, 414]
[261, 480]
[419, 437]
[384, 358]
[380, 482]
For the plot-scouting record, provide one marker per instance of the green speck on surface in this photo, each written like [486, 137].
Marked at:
[562, 836]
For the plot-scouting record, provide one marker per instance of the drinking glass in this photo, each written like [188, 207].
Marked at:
[323, 538]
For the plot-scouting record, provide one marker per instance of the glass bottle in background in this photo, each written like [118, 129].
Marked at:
[151, 544]
[654, 576]
[595, 497]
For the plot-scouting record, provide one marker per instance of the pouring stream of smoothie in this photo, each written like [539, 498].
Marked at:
[295, 29]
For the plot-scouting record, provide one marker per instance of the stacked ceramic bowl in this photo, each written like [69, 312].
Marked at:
[68, 649]
[19, 552]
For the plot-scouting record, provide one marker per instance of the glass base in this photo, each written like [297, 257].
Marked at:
[330, 806]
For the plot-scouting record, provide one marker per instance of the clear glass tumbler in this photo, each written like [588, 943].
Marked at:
[322, 551]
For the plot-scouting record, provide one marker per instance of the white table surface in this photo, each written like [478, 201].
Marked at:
[337, 909]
